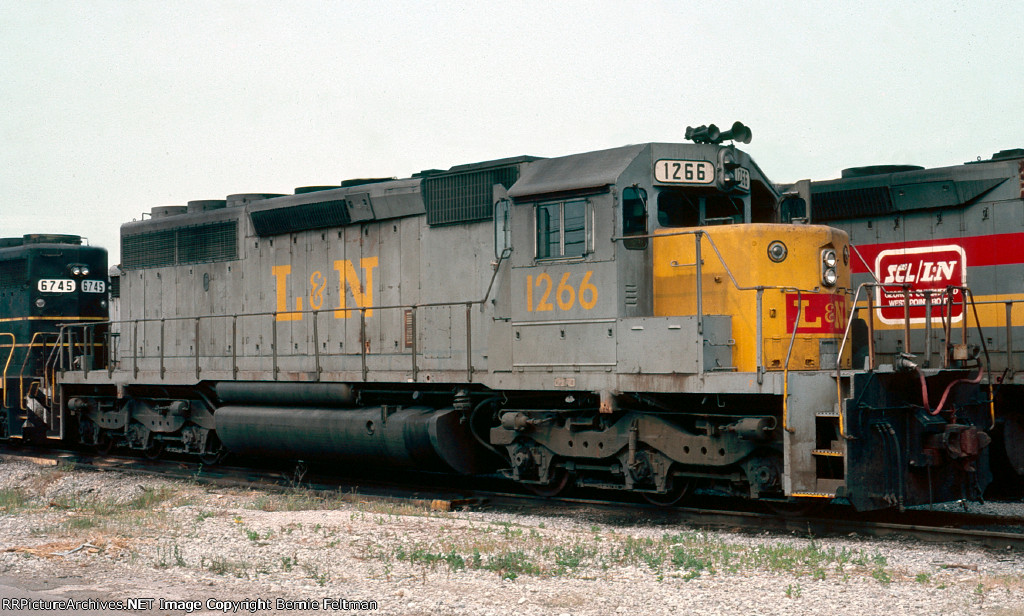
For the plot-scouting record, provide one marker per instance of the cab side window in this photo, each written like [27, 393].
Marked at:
[634, 217]
[562, 229]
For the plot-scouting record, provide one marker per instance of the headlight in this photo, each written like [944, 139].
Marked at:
[85, 270]
[777, 251]
[728, 164]
[829, 277]
[829, 258]
[76, 271]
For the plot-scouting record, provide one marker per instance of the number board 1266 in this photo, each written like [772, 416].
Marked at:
[684, 172]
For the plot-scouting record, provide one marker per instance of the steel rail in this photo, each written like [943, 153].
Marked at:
[436, 491]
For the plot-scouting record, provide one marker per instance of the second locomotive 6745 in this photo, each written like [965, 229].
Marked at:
[632, 319]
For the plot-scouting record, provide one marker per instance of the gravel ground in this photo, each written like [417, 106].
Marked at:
[84, 535]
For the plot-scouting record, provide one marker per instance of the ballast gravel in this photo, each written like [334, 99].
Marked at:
[96, 537]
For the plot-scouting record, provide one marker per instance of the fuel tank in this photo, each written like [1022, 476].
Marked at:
[412, 437]
[326, 395]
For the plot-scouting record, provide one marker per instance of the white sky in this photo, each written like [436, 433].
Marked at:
[109, 108]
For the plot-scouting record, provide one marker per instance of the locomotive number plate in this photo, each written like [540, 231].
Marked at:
[685, 172]
[94, 286]
[49, 285]
[743, 179]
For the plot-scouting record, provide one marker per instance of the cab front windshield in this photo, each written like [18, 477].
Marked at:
[688, 207]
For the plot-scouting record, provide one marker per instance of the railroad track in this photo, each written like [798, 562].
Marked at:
[446, 493]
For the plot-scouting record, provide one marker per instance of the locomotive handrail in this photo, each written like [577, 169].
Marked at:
[946, 318]
[789, 354]
[7, 364]
[871, 336]
[318, 369]
[1008, 304]
[505, 254]
[967, 293]
[930, 293]
[760, 319]
[88, 345]
[870, 322]
[760, 289]
[57, 354]
[275, 312]
[24, 366]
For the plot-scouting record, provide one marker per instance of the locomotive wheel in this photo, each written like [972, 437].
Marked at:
[559, 480]
[1013, 442]
[675, 493]
[104, 444]
[210, 458]
[214, 452]
[155, 450]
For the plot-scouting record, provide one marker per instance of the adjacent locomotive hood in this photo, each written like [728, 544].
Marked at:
[882, 190]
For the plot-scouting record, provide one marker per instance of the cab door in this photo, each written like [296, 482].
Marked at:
[562, 291]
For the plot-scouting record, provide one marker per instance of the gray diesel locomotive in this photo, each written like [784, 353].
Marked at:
[632, 319]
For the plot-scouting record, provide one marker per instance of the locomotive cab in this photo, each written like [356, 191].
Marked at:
[654, 232]
[714, 340]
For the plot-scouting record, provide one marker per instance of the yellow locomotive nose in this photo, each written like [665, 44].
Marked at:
[784, 288]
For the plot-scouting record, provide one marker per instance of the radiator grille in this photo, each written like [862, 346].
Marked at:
[151, 249]
[464, 197]
[208, 243]
[198, 244]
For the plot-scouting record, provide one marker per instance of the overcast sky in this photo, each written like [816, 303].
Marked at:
[108, 109]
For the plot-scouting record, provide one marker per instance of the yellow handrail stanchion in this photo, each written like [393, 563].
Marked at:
[7, 364]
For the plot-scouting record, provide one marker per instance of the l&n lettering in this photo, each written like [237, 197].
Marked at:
[349, 283]
[926, 271]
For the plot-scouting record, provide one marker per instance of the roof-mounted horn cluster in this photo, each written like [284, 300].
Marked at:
[711, 134]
